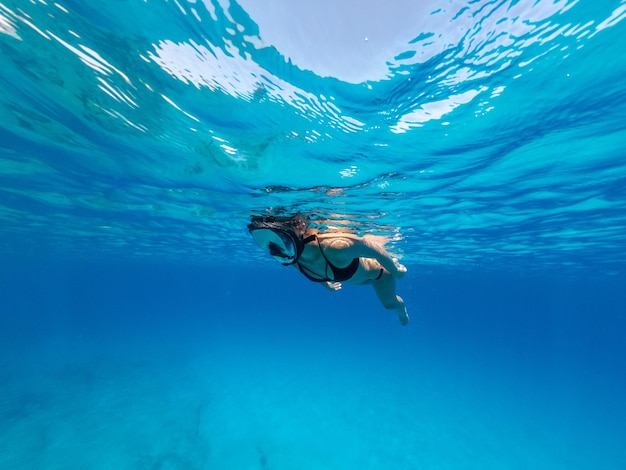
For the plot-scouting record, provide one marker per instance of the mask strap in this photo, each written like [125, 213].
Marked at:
[309, 239]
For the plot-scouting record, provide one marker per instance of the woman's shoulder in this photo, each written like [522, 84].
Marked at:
[342, 241]
[337, 238]
[339, 247]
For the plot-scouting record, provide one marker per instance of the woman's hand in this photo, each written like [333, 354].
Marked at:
[401, 269]
[332, 285]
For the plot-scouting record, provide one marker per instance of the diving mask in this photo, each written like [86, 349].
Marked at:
[281, 237]
[281, 245]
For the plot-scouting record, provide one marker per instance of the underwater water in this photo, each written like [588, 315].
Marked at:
[142, 328]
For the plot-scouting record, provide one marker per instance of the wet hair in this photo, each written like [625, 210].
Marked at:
[296, 223]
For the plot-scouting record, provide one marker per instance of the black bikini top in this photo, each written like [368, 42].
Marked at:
[339, 274]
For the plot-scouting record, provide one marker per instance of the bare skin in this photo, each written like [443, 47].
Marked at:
[341, 248]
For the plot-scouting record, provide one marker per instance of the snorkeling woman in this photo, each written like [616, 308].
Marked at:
[331, 258]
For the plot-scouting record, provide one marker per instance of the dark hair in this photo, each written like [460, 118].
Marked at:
[297, 223]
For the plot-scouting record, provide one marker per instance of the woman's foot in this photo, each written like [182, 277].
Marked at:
[403, 315]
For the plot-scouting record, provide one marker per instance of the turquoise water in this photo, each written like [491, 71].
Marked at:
[141, 327]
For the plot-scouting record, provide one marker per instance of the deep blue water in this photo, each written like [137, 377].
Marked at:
[141, 327]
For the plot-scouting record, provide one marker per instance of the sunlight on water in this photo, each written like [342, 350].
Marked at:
[483, 134]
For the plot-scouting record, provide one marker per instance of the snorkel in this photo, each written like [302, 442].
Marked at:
[281, 237]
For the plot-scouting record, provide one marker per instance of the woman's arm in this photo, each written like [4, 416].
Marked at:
[346, 248]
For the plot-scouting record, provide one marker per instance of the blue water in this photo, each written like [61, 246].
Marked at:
[141, 327]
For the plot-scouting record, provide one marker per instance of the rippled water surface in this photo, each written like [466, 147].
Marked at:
[478, 133]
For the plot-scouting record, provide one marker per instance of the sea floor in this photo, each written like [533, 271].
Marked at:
[166, 403]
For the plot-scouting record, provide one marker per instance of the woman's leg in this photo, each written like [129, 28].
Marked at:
[385, 289]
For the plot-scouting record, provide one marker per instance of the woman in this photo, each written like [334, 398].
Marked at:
[332, 258]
